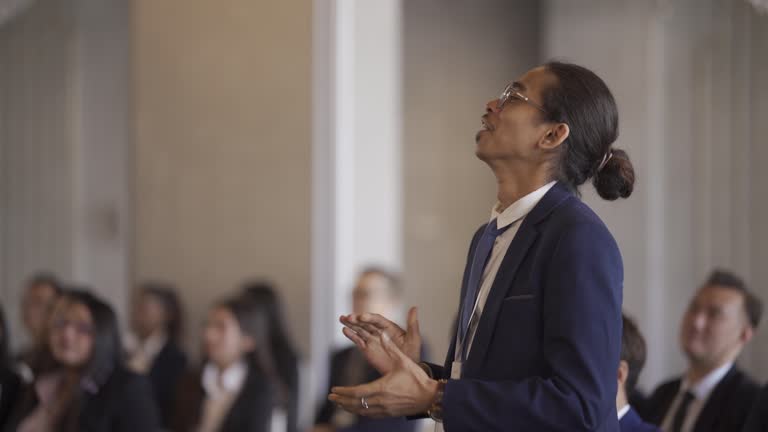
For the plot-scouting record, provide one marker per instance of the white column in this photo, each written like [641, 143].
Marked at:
[367, 142]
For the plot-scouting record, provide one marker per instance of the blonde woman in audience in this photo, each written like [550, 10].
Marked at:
[80, 382]
[237, 389]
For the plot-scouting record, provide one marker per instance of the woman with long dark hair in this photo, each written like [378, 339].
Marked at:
[80, 381]
[157, 324]
[238, 389]
[284, 355]
[10, 381]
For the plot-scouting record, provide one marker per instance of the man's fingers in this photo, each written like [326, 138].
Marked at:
[392, 348]
[354, 337]
[413, 322]
[359, 391]
[379, 322]
[355, 405]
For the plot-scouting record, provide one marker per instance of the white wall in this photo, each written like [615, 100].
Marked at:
[222, 149]
[457, 56]
[685, 77]
[63, 123]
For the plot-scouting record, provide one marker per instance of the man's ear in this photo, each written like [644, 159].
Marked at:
[746, 334]
[554, 136]
[623, 372]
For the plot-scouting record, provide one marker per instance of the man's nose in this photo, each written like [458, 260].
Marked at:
[492, 106]
[699, 321]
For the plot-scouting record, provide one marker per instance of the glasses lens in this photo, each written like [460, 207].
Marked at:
[505, 96]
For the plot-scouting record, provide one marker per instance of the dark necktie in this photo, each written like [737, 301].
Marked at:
[682, 410]
[479, 260]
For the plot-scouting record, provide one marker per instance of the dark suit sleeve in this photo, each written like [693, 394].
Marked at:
[580, 344]
[137, 410]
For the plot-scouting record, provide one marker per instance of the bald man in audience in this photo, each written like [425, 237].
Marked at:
[633, 354]
[713, 395]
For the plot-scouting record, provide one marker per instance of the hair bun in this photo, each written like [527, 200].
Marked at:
[617, 178]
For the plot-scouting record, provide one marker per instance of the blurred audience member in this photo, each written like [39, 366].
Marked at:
[80, 382]
[633, 352]
[758, 416]
[284, 355]
[10, 381]
[40, 293]
[376, 291]
[157, 325]
[714, 395]
[238, 388]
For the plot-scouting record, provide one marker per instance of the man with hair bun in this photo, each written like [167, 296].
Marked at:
[539, 320]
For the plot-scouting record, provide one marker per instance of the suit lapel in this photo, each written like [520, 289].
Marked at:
[711, 411]
[518, 249]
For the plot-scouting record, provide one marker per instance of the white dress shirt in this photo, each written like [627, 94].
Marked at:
[622, 412]
[143, 353]
[513, 217]
[701, 392]
[221, 390]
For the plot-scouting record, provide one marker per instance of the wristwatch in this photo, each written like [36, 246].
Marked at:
[435, 412]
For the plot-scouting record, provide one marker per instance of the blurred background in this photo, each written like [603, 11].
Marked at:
[209, 142]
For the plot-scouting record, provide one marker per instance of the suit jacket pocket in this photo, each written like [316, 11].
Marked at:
[519, 297]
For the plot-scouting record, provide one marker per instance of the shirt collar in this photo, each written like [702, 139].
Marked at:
[232, 379]
[623, 411]
[520, 208]
[153, 344]
[705, 386]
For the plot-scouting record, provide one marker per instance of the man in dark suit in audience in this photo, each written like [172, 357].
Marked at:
[376, 291]
[758, 416]
[631, 364]
[713, 395]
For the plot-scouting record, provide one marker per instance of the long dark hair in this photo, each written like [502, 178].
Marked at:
[253, 320]
[582, 100]
[165, 293]
[285, 355]
[105, 358]
[106, 351]
[5, 342]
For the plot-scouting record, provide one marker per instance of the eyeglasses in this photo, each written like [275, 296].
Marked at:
[511, 93]
[82, 328]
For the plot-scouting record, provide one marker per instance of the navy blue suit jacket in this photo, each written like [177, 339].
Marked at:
[546, 348]
[631, 422]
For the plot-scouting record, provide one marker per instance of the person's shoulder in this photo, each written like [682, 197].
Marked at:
[670, 385]
[740, 387]
[575, 212]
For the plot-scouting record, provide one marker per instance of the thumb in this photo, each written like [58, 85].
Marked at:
[413, 324]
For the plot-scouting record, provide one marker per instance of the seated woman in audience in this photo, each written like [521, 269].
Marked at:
[80, 382]
[10, 381]
[157, 323]
[284, 355]
[238, 389]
